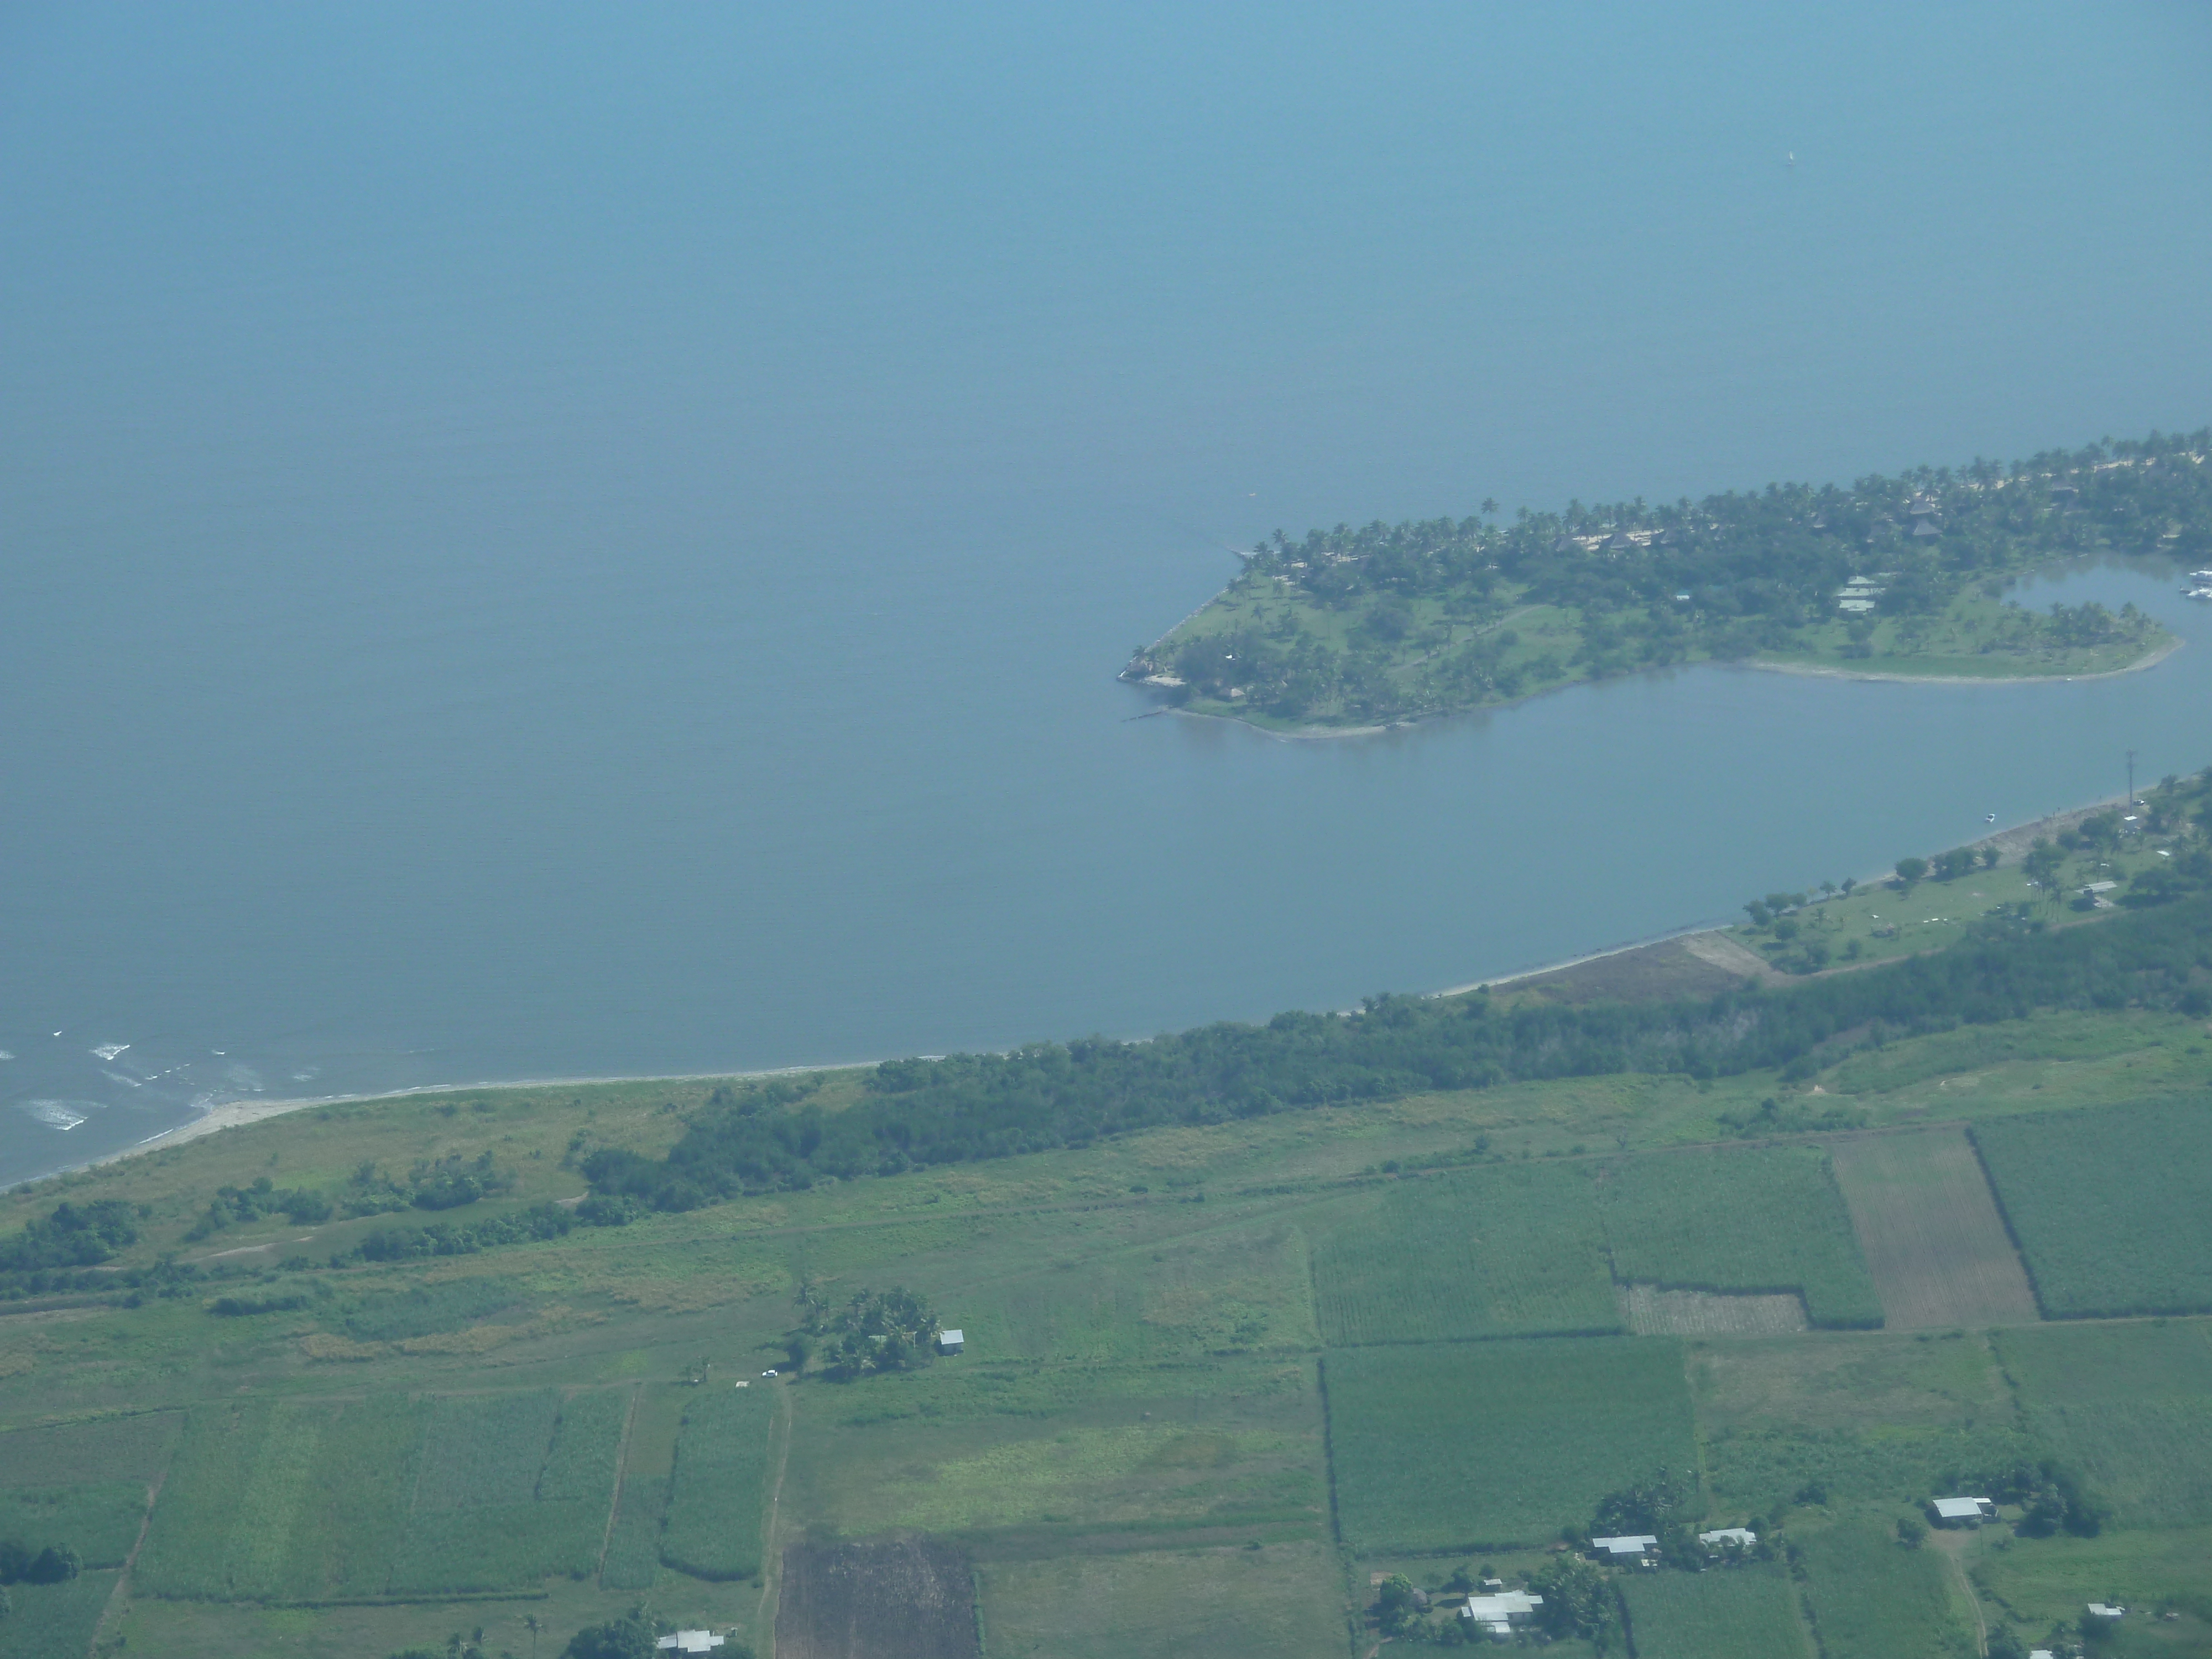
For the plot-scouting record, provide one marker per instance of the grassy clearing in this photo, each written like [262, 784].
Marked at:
[1865, 1418]
[1872, 1598]
[1494, 1444]
[1017, 1457]
[2041, 1580]
[1938, 1248]
[1755, 1220]
[55, 1621]
[1281, 1601]
[2108, 1206]
[1513, 1250]
[1749, 1612]
[2131, 1406]
[717, 1492]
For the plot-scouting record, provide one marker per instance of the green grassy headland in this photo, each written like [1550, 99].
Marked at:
[1905, 576]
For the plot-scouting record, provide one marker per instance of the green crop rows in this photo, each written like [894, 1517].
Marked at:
[2107, 1206]
[1749, 1612]
[301, 1502]
[523, 1492]
[1872, 1598]
[713, 1529]
[1495, 1444]
[1756, 1219]
[1511, 1250]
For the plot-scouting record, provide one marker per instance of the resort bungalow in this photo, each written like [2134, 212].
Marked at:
[1496, 1615]
[951, 1341]
[1742, 1537]
[1962, 1511]
[1624, 1549]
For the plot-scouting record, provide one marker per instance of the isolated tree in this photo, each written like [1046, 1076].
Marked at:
[1910, 871]
[1991, 857]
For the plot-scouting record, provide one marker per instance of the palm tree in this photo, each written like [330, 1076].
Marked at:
[530, 1622]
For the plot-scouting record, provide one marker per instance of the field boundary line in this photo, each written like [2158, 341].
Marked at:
[118, 1590]
[621, 1479]
[771, 1546]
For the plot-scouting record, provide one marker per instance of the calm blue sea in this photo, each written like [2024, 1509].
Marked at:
[549, 540]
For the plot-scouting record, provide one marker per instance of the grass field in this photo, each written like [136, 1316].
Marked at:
[1937, 1246]
[1755, 1220]
[1281, 1601]
[2131, 1406]
[55, 1621]
[2041, 1580]
[2108, 1206]
[1498, 1443]
[1018, 1457]
[1513, 1250]
[1864, 1418]
[1746, 1612]
[1871, 1598]
[717, 1492]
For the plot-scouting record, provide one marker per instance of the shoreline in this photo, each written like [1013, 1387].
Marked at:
[240, 1114]
[1809, 671]
[2012, 839]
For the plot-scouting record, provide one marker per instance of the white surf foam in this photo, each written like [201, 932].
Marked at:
[109, 1050]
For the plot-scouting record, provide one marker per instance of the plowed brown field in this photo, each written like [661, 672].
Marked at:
[1934, 1242]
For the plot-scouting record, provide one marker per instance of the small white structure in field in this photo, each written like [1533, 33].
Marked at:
[2041, 1653]
[951, 1342]
[2099, 1610]
[1963, 1512]
[1625, 1549]
[690, 1641]
[1496, 1615]
[1742, 1535]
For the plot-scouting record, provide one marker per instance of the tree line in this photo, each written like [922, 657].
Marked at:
[917, 1113]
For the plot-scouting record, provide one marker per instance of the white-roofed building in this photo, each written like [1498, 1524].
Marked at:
[1743, 1536]
[1625, 1548]
[1496, 1614]
[690, 1641]
[1963, 1512]
[951, 1341]
[2099, 1610]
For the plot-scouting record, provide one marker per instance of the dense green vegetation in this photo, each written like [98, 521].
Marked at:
[2108, 1206]
[714, 1504]
[1492, 1444]
[1754, 1219]
[1746, 1612]
[917, 1112]
[1350, 626]
[1515, 1250]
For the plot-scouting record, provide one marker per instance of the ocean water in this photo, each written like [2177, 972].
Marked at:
[559, 541]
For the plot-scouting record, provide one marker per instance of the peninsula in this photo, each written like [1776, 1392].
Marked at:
[1902, 577]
